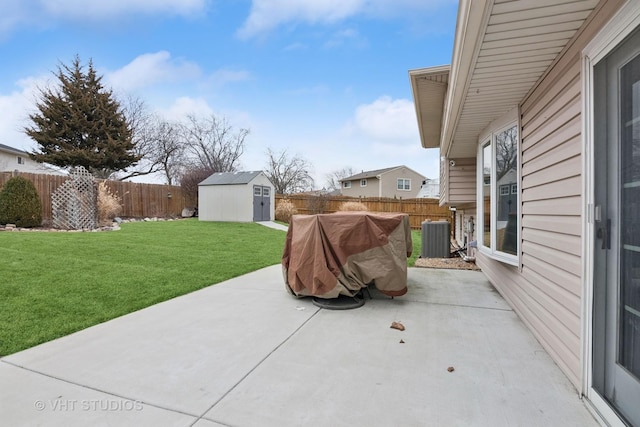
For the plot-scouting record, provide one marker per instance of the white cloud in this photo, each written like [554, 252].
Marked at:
[16, 107]
[267, 15]
[150, 69]
[186, 106]
[48, 12]
[386, 120]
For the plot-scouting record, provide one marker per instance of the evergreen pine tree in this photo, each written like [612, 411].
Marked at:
[80, 123]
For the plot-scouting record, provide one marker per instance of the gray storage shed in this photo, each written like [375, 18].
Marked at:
[237, 197]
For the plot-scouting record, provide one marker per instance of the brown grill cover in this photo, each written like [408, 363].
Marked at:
[335, 254]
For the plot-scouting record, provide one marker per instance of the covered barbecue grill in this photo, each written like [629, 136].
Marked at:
[329, 255]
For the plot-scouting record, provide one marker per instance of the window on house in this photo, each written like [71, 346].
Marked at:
[20, 160]
[346, 184]
[266, 192]
[257, 191]
[404, 184]
[499, 204]
[363, 183]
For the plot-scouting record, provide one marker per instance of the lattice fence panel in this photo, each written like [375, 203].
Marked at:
[74, 203]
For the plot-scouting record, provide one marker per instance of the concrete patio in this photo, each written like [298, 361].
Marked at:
[246, 353]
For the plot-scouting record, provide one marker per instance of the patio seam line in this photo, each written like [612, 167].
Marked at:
[253, 369]
[98, 390]
[460, 305]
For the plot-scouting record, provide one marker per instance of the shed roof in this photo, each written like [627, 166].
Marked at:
[230, 178]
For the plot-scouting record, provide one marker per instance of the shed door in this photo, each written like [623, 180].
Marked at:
[261, 203]
[616, 347]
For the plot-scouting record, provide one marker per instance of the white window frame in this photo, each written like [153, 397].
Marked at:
[346, 184]
[403, 186]
[363, 182]
[20, 160]
[491, 251]
[257, 191]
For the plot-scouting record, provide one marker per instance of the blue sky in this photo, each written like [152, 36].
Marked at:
[323, 79]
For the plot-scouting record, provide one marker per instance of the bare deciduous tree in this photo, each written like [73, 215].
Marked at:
[288, 174]
[333, 178]
[506, 151]
[167, 150]
[191, 178]
[213, 143]
[158, 142]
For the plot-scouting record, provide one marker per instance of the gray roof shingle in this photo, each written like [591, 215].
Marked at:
[368, 174]
[13, 150]
[230, 178]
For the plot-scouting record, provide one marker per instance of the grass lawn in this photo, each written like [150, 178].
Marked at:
[415, 239]
[53, 284]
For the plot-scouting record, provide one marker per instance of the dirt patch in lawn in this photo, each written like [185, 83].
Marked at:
[450, 263]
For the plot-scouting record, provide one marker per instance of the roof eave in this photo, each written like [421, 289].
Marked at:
[430, 106]
[473, 16]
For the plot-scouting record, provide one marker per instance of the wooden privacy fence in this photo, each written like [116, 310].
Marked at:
[138, 200]
[419, 210]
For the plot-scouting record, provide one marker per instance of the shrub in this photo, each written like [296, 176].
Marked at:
[285, 210]
[318, 203]
[20, 203]
[109, 204]
[353, 206]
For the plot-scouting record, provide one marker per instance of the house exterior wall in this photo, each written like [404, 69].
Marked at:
[371, 190]
[387, 185]
[546, 291]
[462, 181]
[9, 163]
[390, 183]
[232, 203]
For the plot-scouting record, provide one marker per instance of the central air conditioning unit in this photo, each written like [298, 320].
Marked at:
[436, 239]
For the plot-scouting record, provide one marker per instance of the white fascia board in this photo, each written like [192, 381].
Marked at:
[473, 18]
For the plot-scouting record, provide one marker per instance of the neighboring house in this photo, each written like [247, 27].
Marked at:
[398, 181]
[237, 197]
[13, 159]
[430, 189]
[557, 84]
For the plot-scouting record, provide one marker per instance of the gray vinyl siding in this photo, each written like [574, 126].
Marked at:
[387, 185]
[546, 291]
[372, 189]
[390, 183]
[444, 182]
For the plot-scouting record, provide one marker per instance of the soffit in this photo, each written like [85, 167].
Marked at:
[429, 87]
[519, 41]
